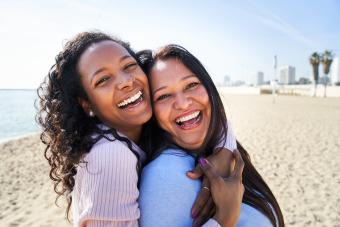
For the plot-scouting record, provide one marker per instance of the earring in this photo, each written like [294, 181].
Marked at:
[91, 113]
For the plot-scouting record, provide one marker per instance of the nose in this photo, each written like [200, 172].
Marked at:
[182, 101]
[126, 81]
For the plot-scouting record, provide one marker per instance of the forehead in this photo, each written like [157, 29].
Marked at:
[107, 47]
[100, 53]
[171, 69]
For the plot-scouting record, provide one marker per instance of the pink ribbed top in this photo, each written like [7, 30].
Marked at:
[105, 191]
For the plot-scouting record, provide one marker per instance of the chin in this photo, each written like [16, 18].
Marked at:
[145, 117]
[190, 144]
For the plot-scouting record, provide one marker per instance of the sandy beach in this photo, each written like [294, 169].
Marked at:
[294, 143]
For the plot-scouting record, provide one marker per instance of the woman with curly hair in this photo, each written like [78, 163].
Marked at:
[93, 105]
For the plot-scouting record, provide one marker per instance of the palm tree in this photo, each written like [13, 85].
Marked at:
[314, 60]
[326, 60]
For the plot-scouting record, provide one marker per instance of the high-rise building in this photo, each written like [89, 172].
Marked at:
[287, 74]
[335, 71]
[259, 78]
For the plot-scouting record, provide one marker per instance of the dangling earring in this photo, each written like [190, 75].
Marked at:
[91, 113]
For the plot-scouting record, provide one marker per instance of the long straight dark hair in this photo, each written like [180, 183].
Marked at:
[257, 193]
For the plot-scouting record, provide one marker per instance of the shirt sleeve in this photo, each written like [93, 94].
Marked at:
[107, 187]
[230, 140]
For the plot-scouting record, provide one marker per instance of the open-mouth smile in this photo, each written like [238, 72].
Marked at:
[189, 121]
[131, 101]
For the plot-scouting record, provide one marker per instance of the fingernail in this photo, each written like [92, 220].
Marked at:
[190, 174]
[203, 162]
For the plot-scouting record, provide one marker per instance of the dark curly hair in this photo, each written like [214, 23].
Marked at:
[67, 131]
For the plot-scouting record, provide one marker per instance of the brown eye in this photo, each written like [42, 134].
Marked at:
[162, 97]
[192, 85]
[101, 80]
[130, 66]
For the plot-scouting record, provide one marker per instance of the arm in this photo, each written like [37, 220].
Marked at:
[227, 193]
[107, 190]
[221, 157]
[222, 160]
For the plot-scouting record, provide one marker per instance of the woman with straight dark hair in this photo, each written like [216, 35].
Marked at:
[192, 121]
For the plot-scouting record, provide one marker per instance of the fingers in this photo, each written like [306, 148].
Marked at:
[195, 173]
[207, 211]
[239, 165]
[201, 199]
[209, 170]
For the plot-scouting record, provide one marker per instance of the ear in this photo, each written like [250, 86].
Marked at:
[85, 105]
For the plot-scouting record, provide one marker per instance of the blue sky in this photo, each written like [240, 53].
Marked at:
[235, 38]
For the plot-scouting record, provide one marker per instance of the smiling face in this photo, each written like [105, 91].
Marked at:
[181, 103]
[116, 87]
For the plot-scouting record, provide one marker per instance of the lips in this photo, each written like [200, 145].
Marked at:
[131, 101]
[189, 121]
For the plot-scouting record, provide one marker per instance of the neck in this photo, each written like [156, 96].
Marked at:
[132, 134]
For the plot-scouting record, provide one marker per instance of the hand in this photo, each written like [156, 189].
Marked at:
[204, 207]
[227, 193]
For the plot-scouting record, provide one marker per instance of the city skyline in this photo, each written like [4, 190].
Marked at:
[229, 38]
[259, 78]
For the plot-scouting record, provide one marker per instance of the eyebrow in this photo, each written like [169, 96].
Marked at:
[104, 68]
[184, 78]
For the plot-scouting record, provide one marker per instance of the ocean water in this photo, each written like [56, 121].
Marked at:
[17, 113]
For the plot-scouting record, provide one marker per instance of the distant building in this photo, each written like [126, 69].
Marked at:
[287, 74]
[238, 83]
[304, 80]
[259, 78]
[335, 71]
[226, 81]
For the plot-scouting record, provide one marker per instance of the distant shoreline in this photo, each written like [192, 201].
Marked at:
[17, 89]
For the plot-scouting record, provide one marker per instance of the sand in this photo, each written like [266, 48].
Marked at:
[294, 143]
[26, 195]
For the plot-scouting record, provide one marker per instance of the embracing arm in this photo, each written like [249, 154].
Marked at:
[106, 190]
[227, 193]
[222, 156]
[222, 160]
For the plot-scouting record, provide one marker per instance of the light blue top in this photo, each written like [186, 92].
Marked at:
[167, 194]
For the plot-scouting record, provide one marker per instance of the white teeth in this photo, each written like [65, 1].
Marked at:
[130, 100]
[188, 117]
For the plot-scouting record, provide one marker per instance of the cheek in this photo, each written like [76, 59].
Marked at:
[202, 97]
[205, 102]
[101, 100]
[162, 114]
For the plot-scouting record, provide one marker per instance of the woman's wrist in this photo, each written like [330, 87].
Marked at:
[225, 163]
